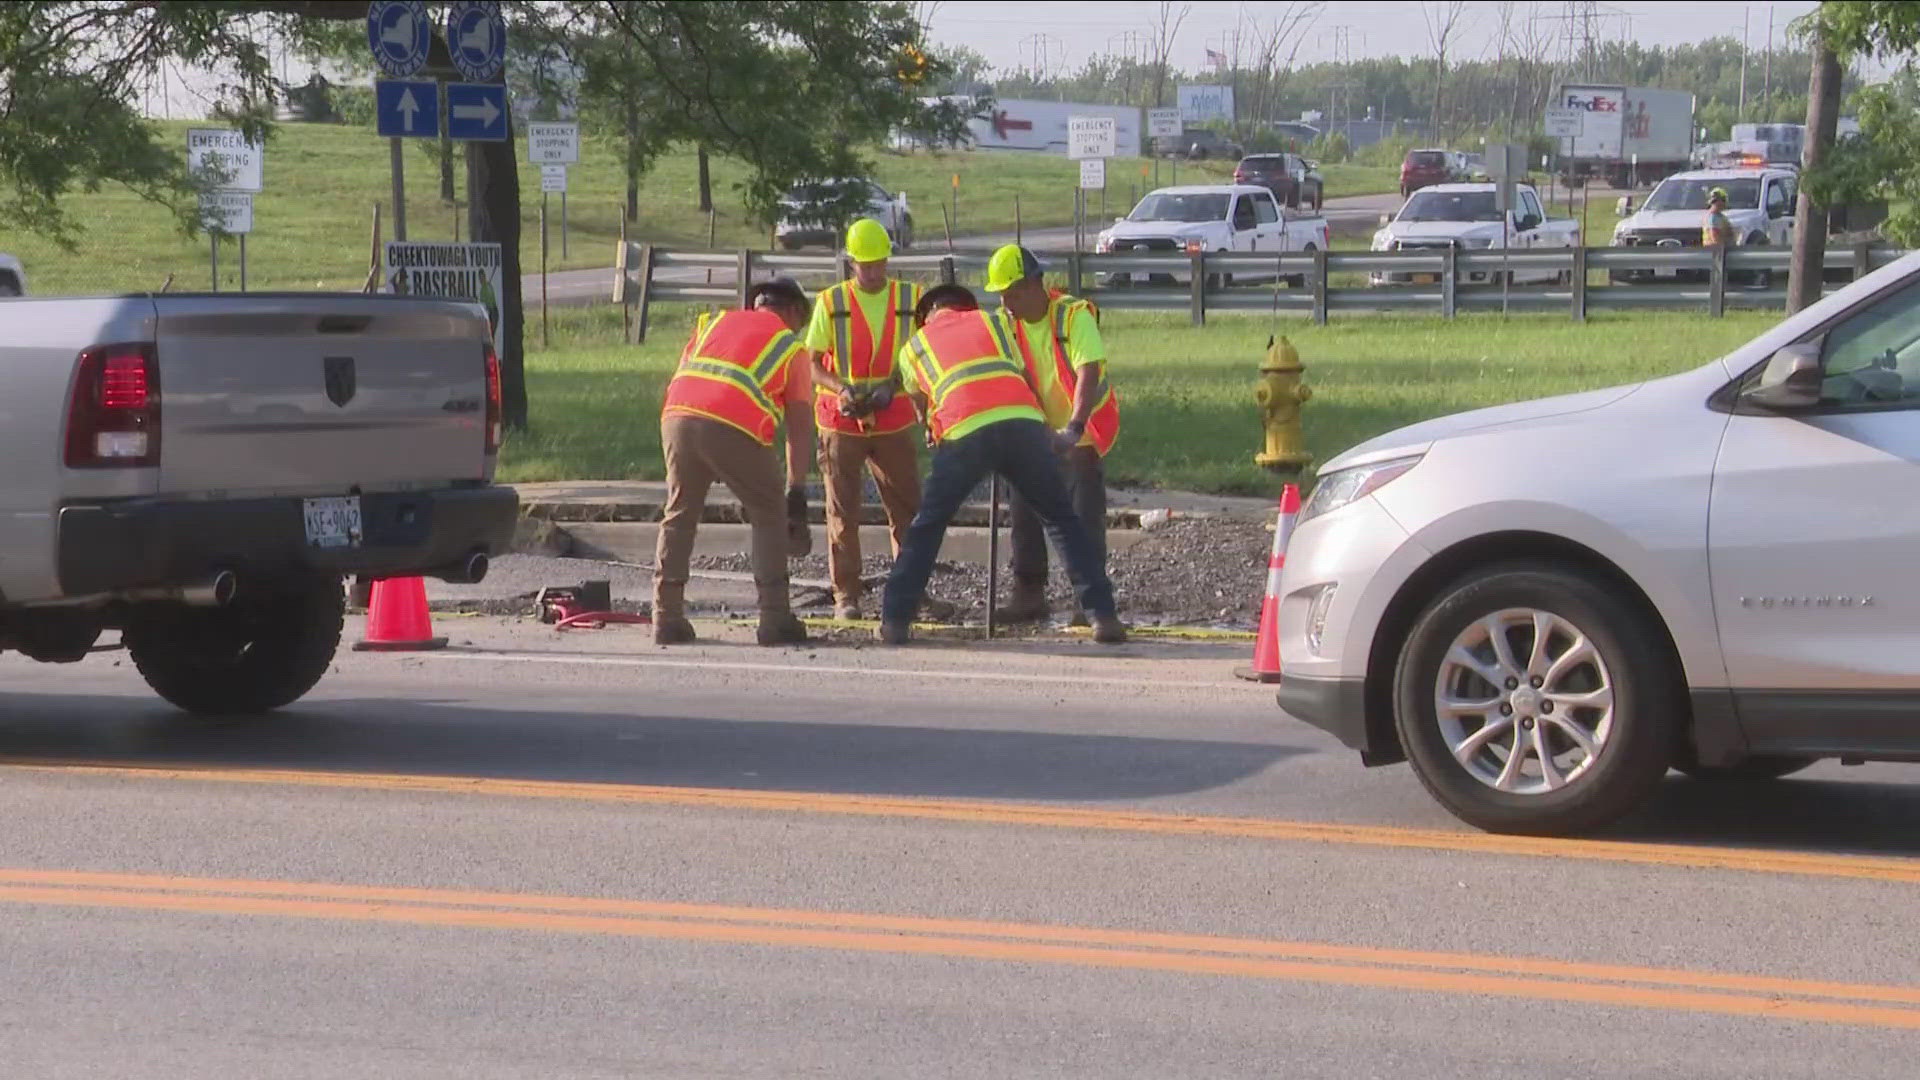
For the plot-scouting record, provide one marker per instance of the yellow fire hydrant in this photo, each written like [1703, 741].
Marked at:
[1280, 394]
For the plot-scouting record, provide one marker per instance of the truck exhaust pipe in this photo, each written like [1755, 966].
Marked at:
[216, 591]
[471, 570]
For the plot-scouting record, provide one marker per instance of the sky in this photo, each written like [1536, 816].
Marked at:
[1063, 35]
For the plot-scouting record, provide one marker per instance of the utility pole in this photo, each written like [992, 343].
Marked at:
[1766, 92]
[1746, 17]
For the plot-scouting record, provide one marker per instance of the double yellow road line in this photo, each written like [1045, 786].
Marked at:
[1690, 856]
[1752, 996]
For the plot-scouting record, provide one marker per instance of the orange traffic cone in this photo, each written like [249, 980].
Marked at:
[397, 619]
[1266, 645]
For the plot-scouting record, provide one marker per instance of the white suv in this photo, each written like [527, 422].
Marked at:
[1544, 606]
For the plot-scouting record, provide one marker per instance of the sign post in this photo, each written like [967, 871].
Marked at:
[553, 147]
[230, 170]
[1566, 124]
[398, 32]
[1091, 140]
[1161, 124]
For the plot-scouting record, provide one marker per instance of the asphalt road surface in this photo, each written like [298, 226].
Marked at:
[543, 855]
[571, 287]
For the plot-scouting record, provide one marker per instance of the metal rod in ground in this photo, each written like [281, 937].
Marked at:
[563, 225]
[626, 302]
[399, 163]
[213, 241]
[947, 224]
[993, 547]
[1017, 238]
[543, 271]
[243, 262]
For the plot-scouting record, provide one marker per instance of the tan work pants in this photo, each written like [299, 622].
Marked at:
[700, 451]
[895, 462]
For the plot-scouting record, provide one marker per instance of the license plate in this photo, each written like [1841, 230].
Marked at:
[333, 523]
[1425, 279]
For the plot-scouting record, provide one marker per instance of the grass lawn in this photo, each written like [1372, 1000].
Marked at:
[312, 223]
[1189, 420]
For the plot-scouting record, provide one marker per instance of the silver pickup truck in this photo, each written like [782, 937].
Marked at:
[199, 472]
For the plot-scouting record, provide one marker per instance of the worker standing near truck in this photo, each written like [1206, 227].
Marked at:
[865, 424]
[1716, 230]
[1059, 338]
[965, 374]
[738, 376]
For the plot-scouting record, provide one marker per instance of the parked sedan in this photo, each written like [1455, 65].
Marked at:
[1545, 606]
[819, 212]
[1294, 180]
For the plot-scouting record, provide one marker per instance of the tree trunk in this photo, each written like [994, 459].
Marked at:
[1810, 233]
[493, 216]
[447, 193]
[706, 183]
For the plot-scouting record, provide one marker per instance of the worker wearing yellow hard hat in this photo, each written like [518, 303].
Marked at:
[865, 423]
[1716, 230]
[1059, 340]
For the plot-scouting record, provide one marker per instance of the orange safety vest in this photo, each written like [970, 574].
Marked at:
[965, 361]
[863, 359]
[1103, 426]
[735, 369]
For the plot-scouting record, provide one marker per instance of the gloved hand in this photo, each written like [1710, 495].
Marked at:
[880, 397]
[851, 403]
[1064, 441]
[799, 535]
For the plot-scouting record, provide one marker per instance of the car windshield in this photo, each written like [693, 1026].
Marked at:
[1450, 206]
[1692, 194]
[1191, 208]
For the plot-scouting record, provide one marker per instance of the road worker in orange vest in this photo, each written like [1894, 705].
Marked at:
[1059, 337]
[965, 375]
[740, 374]
[865, 423]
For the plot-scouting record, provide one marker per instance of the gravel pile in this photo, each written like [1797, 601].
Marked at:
[1194, 571]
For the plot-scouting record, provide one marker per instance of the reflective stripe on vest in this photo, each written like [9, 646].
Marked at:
[967, 363]
[730, 369]
[1103, 426]
[863, 359]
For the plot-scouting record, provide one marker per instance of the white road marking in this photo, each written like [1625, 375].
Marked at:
[1226, 681]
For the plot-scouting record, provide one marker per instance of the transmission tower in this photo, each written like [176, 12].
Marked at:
[1584, 26]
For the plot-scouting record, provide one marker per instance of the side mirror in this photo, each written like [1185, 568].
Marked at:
[1792, 379]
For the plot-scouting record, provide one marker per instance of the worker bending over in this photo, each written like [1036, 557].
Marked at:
[737, 378]
[865, 425]
[1059, 338]
[966, 377]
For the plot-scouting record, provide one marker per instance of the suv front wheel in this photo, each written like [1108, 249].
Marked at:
[1530, 699]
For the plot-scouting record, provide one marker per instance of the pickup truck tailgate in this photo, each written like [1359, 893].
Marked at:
[320, 394]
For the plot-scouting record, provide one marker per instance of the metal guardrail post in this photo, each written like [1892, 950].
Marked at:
[947, 275]
[1862, 260]
[1198, 264]
[1073, 273]
[1449, 281]
[1717, 288]
[1579, 283]
[646, 293]
[743, 274]
[1319, 286]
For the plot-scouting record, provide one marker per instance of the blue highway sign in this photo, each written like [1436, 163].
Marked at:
[477, 38]
[477, 112]
[408, 109]
[398, 32]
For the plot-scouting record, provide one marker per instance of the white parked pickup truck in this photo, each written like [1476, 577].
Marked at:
[1760, 207]
[1466, 216]
[1211, 218]
[199, 471]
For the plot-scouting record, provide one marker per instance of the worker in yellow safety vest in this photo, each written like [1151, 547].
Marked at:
[739, 375]
[965, 375]
[865, 424]
[1059, 338]
[1716, 230]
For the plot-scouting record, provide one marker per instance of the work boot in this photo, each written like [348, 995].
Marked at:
[847, 612]
[672, 630]
[1109, 630]
[778, 624]
[670, 625]
[894, 632]
[1028, 602]
[1079, 618]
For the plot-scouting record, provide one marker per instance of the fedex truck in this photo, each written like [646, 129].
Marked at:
[1629, 135]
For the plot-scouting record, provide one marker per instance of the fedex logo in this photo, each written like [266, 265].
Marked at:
[1595, 103]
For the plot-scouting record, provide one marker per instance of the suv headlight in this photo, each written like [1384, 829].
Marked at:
[1336, 489]
[1382, 242]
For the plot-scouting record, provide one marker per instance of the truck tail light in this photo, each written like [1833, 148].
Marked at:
[1239, 176]
[495, 411]
[113, 419]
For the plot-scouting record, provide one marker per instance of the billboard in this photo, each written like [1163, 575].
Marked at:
[1201, 104]
[1041, 126]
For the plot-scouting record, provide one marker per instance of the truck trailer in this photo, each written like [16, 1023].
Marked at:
[1630, 135]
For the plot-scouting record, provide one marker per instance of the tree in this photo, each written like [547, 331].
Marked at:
[1444, 19]
[1276, 46]
[1884, 162]
[1823, 118]
[1166, 30]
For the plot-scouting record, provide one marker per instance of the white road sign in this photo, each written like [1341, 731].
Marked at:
[1093, 173]
[1091, 136]
[225, 158]
[1565, 123]
[553, 144]
[226, 212]
[454, 271]
[1163, 123]
[553, 179]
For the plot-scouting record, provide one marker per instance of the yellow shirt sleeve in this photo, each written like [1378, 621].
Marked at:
[907, 371]
[820, 327]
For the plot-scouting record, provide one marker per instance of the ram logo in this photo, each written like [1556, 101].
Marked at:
[341, 383]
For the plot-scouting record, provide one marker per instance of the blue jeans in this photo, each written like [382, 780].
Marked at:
[1022, 452]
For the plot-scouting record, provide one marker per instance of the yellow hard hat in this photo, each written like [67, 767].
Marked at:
[1010, 266]
[867, 241]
